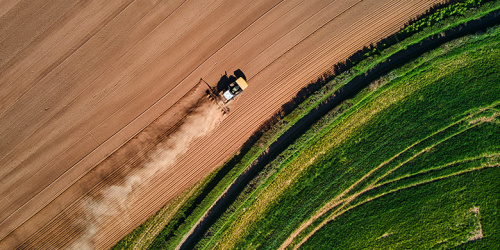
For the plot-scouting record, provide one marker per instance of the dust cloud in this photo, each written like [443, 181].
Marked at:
[114, 199]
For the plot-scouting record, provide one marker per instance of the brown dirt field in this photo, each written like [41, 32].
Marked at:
[80, 79]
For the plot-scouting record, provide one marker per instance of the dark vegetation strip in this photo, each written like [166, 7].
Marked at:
[213, 185]
[347, 91]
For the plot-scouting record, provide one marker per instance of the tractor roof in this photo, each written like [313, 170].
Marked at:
[242, 83]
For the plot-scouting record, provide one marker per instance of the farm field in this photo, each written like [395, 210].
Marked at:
[90, 90]
[415, 153]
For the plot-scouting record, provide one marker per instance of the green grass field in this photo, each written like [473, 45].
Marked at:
[412, 163]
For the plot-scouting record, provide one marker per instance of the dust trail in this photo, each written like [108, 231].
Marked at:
[114, 199]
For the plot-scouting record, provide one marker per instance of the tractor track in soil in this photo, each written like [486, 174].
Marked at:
[50, 158]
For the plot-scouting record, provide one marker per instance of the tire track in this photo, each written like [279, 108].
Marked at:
[47, 164]
[54, 46]
[17, 117]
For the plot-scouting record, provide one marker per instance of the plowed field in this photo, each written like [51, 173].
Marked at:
[80, 79]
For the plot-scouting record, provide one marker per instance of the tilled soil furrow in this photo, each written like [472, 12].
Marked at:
[104, 185]
[30, 113]
[146, 149]
[8, 5]
[56, 157]
[20, 142]
[24, 59]
[49, 50]
[14, 37]
[278, 28]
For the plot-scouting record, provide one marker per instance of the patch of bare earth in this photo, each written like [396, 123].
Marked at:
[478, 231]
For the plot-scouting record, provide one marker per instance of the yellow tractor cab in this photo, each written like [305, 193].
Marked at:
[235, 88]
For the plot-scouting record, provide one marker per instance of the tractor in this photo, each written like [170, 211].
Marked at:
[226, 95]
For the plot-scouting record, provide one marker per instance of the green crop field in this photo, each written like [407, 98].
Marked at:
[411, 163]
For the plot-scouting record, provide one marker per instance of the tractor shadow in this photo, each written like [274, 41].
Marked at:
[238, 73]
[225, 80]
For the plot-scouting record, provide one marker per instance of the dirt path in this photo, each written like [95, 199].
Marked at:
[79, 79]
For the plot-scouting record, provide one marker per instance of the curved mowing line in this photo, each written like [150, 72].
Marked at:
[335, 215]
[468, 169]
[349, 199]
[472, 159]
[338, 200]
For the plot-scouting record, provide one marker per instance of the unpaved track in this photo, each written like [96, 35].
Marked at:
[78, 79]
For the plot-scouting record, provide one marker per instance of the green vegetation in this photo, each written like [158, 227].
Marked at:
[430, 123]
[458, 8]
[442, 18]
[190, 207]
